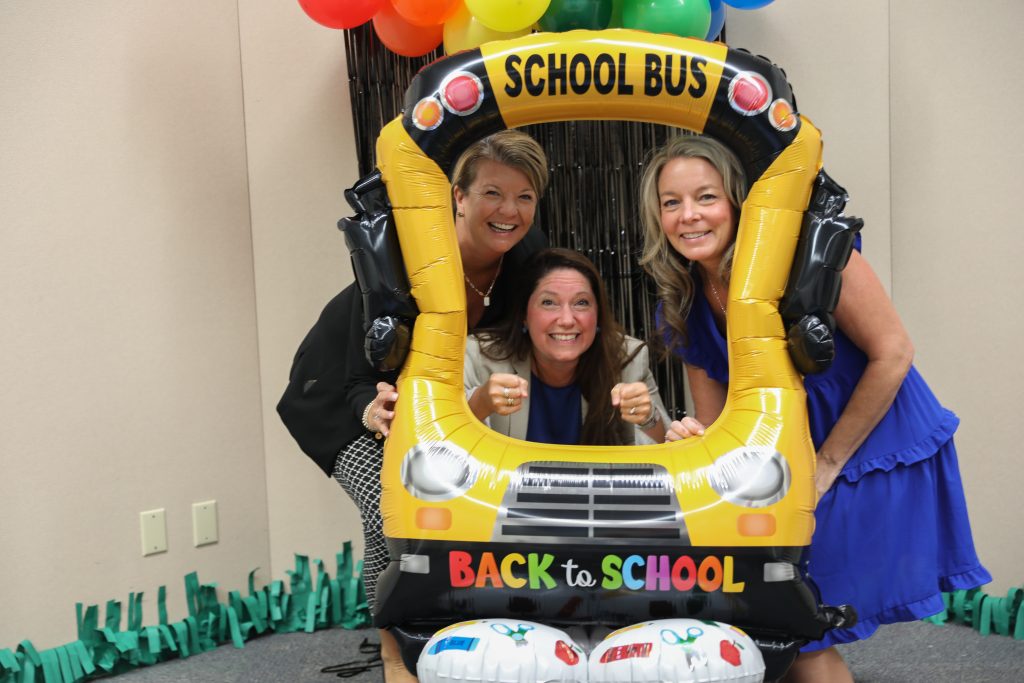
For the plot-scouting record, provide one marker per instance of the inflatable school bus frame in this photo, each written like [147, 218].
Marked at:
[714, 527]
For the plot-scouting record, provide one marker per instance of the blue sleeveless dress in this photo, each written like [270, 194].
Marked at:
[892, 533]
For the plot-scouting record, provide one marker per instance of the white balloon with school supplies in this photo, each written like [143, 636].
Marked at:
[677, 650]
[502, 651]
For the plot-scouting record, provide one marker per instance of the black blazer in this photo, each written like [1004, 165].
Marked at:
[331, 382]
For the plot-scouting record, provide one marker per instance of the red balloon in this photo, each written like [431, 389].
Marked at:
[406, 39]
[426, 12]
[341, 13]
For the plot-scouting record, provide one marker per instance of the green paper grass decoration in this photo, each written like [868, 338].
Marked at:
[984, 613]
[307, 605]
[104, 649]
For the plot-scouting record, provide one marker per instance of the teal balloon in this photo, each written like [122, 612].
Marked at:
[686, 18]
[748, 4]
[717, 19]
[566, 15]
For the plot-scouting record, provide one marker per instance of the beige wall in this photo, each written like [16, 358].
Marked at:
[958, 243]
[846, 98]
[132, 137]
[301, 158]
[170, 176]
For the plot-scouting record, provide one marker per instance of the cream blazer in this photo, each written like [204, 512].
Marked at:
[479, 368]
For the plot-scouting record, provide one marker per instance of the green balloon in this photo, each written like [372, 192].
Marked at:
[566, 15]
[687, 18]
[616, 20]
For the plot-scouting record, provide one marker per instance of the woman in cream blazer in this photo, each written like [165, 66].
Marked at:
[560, 344]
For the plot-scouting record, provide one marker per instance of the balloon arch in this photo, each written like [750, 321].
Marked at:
[416, 27]
[480, 525]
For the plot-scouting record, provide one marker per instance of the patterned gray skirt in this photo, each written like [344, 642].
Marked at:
[357, 470]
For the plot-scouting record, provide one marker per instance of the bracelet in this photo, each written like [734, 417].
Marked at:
[366, 418]
[654, 419]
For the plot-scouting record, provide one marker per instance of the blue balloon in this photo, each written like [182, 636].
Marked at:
[747, 4]
[717, 19]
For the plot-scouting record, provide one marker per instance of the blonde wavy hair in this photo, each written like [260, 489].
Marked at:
[670, 271]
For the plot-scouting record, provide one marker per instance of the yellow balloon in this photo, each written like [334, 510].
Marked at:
[464, 32]
[508, 15]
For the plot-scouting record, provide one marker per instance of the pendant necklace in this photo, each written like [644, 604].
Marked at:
[486, 295]
[714, 291]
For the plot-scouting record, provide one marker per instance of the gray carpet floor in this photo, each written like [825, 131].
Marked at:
[902, 653]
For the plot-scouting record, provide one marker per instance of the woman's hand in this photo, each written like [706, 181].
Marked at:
[502, 394]
[381, 410]
[825, 474]
[633, 401]
[685, 428]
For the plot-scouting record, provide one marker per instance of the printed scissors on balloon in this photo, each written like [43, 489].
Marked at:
[672, 638]
[518, 635]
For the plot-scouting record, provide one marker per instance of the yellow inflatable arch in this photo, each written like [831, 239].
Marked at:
[714, 527]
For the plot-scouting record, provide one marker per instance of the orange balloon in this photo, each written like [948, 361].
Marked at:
[426, 12]
[403, 38]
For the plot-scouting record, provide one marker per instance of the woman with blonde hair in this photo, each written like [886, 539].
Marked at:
[892, 530]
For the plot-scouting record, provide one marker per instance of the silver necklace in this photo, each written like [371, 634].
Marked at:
[714, 291]
[486, 295]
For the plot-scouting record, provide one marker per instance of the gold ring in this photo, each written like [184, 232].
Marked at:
[505, 391]
[509, 400]
[632, 411]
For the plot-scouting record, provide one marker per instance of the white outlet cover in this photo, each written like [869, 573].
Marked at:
[204, 523]
[154, 531]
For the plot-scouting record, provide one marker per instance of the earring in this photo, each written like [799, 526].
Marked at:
[597, 330]
[525, 331]
[459, 214]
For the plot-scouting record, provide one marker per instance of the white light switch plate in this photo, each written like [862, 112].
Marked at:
[154, 531]
[204, 523]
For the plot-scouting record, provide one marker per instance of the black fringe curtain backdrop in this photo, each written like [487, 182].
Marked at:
[590, 206]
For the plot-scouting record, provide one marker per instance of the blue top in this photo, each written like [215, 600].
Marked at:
[912, 430]
[555, 413]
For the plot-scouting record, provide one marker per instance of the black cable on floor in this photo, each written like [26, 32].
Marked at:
[357, 666]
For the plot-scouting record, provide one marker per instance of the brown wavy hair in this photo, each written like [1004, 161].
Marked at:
[670, 271]
[599, 367]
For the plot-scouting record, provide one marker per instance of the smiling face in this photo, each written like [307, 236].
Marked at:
[696, 214]
[498, 209]
[561, 317]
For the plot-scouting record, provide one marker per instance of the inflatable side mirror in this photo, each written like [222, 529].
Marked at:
[388, 308]
[826, 240]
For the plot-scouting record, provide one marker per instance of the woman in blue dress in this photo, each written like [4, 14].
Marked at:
[892, 530]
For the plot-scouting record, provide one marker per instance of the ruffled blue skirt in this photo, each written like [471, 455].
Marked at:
[891, 542]
[892, 534]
